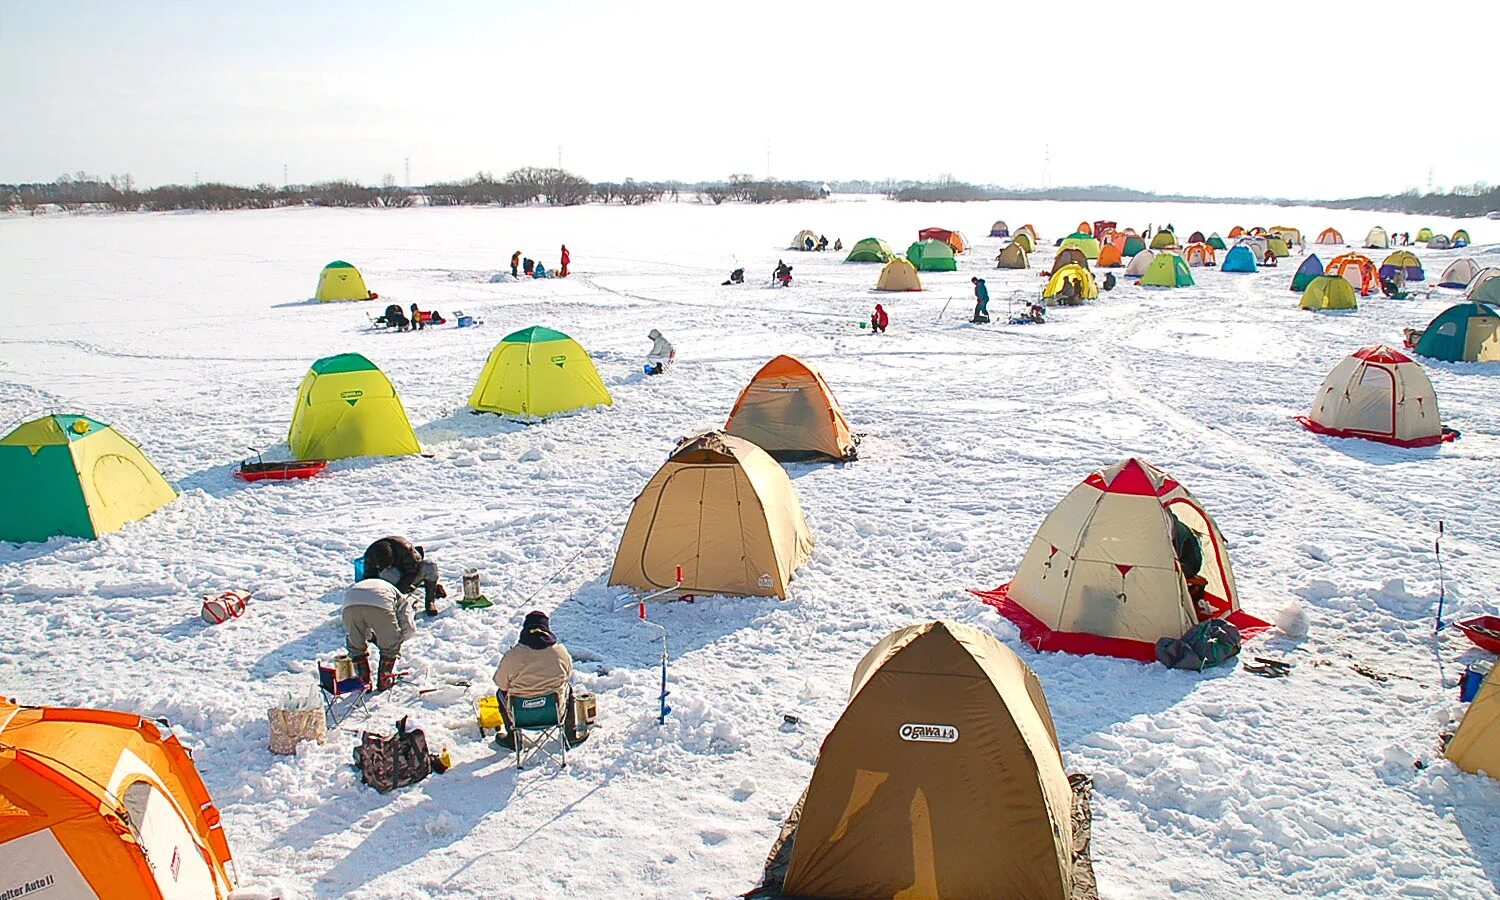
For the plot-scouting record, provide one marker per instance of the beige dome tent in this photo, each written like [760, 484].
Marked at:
[942, 778]
[723, 510]
[1459, 273]
[800, 241]
[1475, 746]
[1013, 256]
[898, 275]
[1379, 394]
[1139, 264]
[1377, 239]
[789, 411]
[1102, 576]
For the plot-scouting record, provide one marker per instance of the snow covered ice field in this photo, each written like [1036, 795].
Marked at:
[191, 333]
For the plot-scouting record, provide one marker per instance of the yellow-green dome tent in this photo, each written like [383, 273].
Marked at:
[1163, 240]
[341, 281]
[1167, 270]
[1329, 292]
[1027, 242]
[347, 407]
[72, 475]
[538, 372]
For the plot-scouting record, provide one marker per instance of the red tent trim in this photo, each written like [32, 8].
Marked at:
[1429, 441]
[1043, 639]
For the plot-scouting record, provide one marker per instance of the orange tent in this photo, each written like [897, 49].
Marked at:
[1109, 257]
[1086, 228]
[1257, 231]
[1330, 236]
[789, 411]
[1029, 229]
[1355, 268]
[1199, 254]
[106, 804]
[1236, 231]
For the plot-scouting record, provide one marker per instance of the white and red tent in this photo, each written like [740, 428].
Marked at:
[1102, 574]
[1378, 394]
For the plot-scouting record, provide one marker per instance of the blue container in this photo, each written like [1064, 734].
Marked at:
[1468, 684]
[359, 569]
[465, 321]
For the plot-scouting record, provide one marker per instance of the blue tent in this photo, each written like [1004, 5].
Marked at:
[1448, 337]
[1240, 259]
[1311, 268]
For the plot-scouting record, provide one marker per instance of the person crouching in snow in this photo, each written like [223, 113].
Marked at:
[398, 562]
[981, 302]
[540, 271]
[879, 320]
[661, 355]
[536, 666]
[374, 609]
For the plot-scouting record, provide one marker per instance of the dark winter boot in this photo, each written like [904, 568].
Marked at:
[362, 669]
[430, 596]
[387, 674]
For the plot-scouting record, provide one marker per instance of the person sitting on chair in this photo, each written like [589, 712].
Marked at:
[416, 318]
[536, 666]
[661, 355]
[394, 317]
[398, 562]
[373, 608]
[736, 277]
[783, 275]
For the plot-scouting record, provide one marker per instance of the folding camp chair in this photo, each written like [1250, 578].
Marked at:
[541, 717]
[340, 698]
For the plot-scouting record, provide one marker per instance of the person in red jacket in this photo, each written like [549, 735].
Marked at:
[562, 270]
[879, 320]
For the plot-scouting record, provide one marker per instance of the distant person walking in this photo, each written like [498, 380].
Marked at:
[515, 264]
[981, 302]
[562, 270]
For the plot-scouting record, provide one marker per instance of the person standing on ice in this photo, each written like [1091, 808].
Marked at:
[562, 270]
[981, 302]
[536, 666]
[375, 610]
[661, 355]
[515, 263]
[879, 320]
[405, 566]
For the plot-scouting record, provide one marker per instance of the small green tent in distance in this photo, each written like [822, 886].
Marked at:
[1167, 270]
[932, 256]
[1025, 240]
[1329, 292]
[1216, 242]
[1163, 240]
[72, 475]
[341, 281]
[871, 250]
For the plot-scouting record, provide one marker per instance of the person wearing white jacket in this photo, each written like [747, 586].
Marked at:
[661, 355]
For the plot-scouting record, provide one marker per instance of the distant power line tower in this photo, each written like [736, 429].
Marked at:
[284, 181]
[1046, 165]
[407, 182]
[1429, 179]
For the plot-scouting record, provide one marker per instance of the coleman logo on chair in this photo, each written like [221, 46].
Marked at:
[943, 734]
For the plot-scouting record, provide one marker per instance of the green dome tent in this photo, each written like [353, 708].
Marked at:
[1133, 245]
[1216, 242]
[1329, 292]
[871, 250]
[1167, 270]
[1424, 234]
[1311, 268]
[1163, 240]
[932, 256]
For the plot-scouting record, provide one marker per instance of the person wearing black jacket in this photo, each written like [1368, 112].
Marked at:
[397, 561]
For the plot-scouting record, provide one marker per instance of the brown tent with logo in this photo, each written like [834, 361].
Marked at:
[1069, 256]
[789, 411]
[942, 778]
[723, 510]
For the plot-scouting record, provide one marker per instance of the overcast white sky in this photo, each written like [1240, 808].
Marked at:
[1312, 99]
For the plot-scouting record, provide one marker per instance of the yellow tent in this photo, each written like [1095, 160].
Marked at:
[538, 372]
[1476, 744]
[72, 475]
[898, 275]
[1087, 290]
[1328, 292]
[347, 407]
[723, 510]
[341, 281]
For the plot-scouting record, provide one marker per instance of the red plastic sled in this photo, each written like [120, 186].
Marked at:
[1472, 628]
[280, 471]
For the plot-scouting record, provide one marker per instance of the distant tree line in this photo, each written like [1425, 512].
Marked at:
[1466, 200]
[555, 187]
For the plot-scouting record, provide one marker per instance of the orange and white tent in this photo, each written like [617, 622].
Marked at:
[1330, 236]
[1379, 394]
[789, 411]
[1236, 231]
[104, 804]
[1357, 269]
[1199, 254]
[1102, 574]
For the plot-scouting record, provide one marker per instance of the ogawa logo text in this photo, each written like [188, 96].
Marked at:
[942, 734]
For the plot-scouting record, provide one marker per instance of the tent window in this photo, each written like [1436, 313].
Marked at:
[1375, 379]
[1449, 329]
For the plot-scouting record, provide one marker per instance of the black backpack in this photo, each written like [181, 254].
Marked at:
[387, 762]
